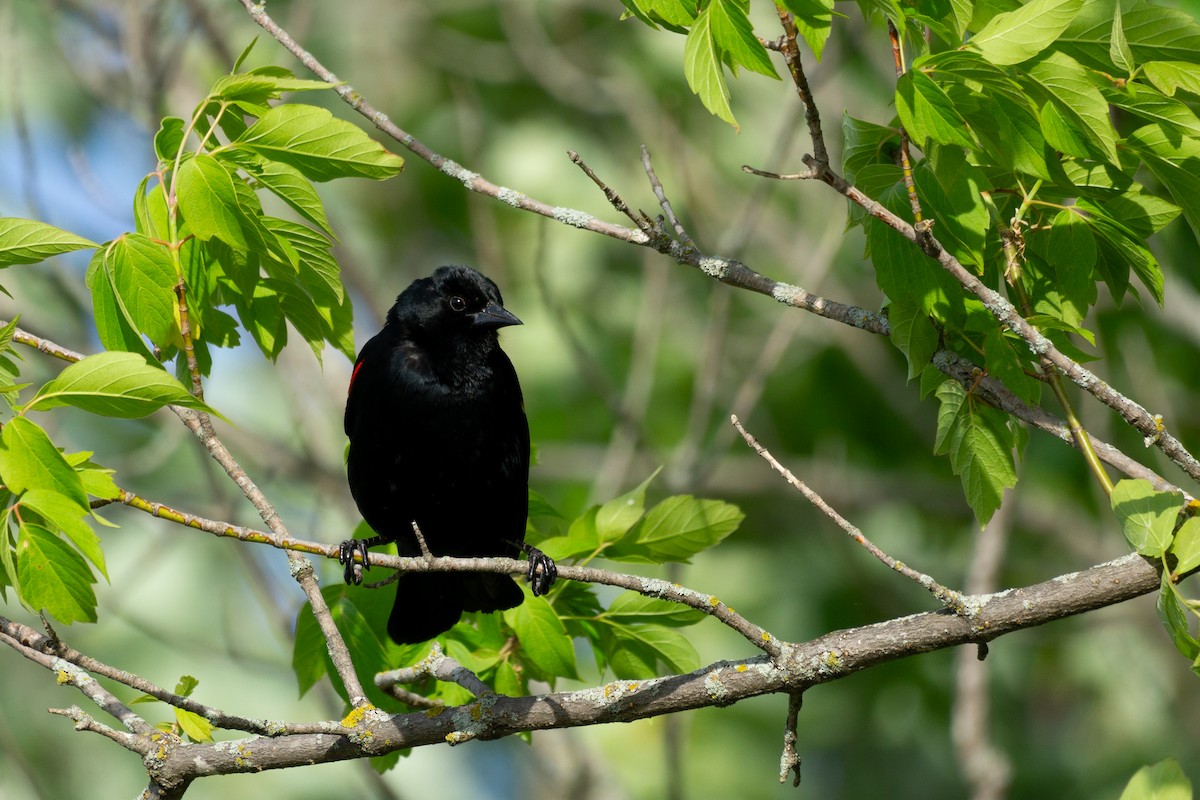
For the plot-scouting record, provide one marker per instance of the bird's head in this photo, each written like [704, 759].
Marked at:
[454, 302]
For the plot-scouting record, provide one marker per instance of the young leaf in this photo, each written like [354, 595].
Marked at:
[702, 68]
[115, 385]
[734, 36]
[678, 528]
[980, 446]
[1171, 76]
[26, 241]
[1147, 516]
[1186, 546]
[544, 640]
[912, 334]
[1174, 618]
[144, 278]
[1118, 46]
[631, 608]
[54, 577]
[113, 322]
[29, 460]
[320, 146]
[1175, 161]
[169, 139]
[1162, 781]
[1016, 36]
[197, 728]
[289, 184]
[1077, 100]
[208, 202]
[64, 514]
[617, 516]
[637, 649]
[927, 113]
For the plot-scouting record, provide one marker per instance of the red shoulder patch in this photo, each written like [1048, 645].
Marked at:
[354, 375]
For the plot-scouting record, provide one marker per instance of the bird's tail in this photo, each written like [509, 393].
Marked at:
[430, 603]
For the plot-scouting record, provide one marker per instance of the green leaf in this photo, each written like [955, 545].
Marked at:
[951, 191]
[186, 685]
[734, 37]
[544, 640]
[1077, 101]
[1005, 363]
[702, 68]
[927, 113]
[29, 460]
[1186, 546]
[1125, 248]
[980, 446]
[169, 139]
[62, 513]
[207, 201]
[150, 213]
[289, 184]
[581, 538]
[115, 385]
[113, 323]
[1174, 618]
[1016, 36]
[1147, 516]
[1118, 45]
[26, 241]
[144, 278]
[54, 577]
[1153, 32]
[632, 608]
[1162, 781]
[262, 84]
[814, 21]
[678, 528]
[638, 648]
[1071, 251]
[317, 144]
[1170, 76]
[617, 516]
[1013, 137]
[1175, 161]
[1174, 115]
[912, 334]
[197, 728]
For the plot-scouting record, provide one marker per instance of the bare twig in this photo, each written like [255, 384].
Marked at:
[789, 761]
[663, 203]
[439, 666]
[948, 597]
[614, 199]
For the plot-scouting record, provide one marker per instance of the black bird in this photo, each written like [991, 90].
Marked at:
[438, 436]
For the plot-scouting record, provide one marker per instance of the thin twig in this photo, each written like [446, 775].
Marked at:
[663, 202]
[614, 199]
[905, 158]
[948, 597]
[439, 666]
[789, 761]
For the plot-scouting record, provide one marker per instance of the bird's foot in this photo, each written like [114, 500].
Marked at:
[353, 569]
[542, 570]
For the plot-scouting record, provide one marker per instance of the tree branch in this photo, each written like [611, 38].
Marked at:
[828, 658]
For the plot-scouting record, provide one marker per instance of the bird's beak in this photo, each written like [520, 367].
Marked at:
[494, 316]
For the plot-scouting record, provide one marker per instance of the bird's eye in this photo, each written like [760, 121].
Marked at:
[457, 303]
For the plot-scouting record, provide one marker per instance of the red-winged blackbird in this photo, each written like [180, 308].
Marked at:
[438, 436]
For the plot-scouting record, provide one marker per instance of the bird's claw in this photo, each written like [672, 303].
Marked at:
[353, 570]
[542, 570]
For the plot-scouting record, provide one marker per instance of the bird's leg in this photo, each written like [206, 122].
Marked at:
[542, 570]
[351, 547]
